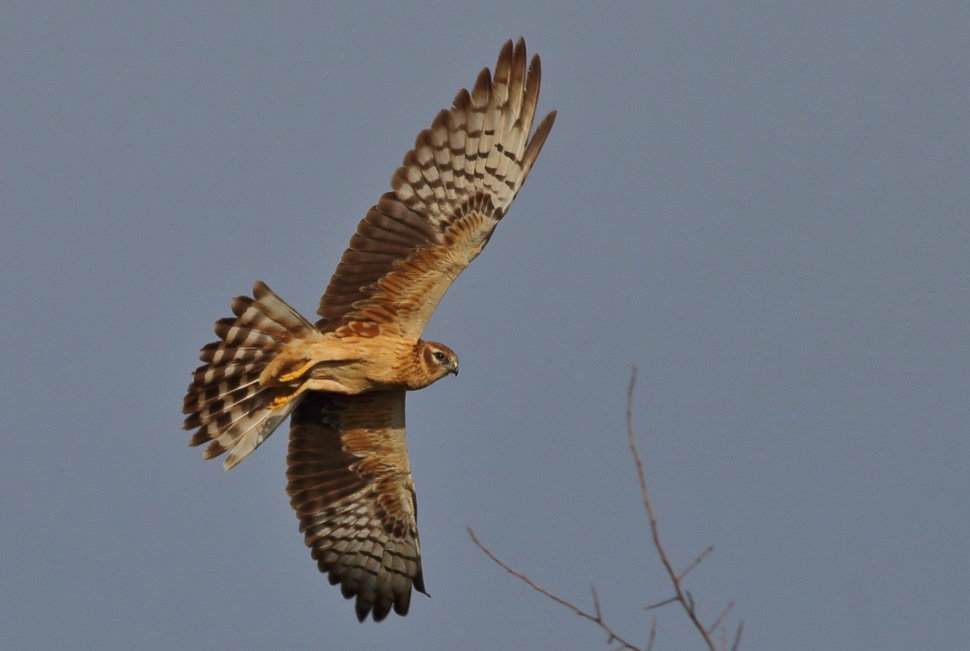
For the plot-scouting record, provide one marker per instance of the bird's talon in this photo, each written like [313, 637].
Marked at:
[282, 401]
[289, 377]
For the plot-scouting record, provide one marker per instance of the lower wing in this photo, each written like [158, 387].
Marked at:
[350, 484]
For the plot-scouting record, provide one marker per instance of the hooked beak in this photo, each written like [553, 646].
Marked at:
[453, 369]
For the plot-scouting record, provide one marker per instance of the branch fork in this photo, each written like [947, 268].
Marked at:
[681, 596]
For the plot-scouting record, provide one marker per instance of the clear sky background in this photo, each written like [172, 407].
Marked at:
[764, 205]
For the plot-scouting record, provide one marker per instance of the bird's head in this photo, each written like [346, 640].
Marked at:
[438, 360]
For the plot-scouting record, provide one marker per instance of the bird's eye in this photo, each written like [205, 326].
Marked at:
[439, 356]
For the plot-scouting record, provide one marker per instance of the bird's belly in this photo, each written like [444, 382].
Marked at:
[353, 377]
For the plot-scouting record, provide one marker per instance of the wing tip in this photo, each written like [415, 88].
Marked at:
[537, 141]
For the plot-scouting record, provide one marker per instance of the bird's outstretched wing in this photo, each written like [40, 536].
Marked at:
[448, 196]
[350, 485]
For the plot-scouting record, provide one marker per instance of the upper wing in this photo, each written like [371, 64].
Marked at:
[449, 194]
[350, 485]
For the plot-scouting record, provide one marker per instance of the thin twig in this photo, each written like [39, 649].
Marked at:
[697, 561]
[737, 636]
[559, 600]
[654, 532]
[662, 603]
[720, 618]
[653, 633]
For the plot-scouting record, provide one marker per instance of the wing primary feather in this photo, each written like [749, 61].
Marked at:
[539, 139]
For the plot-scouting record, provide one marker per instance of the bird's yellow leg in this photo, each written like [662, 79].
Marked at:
[289, 377]
[310, 385]
[282, 401]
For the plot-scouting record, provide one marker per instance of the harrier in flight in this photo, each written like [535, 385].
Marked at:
[343, 380]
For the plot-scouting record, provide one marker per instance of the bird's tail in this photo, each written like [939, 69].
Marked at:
[226, 400]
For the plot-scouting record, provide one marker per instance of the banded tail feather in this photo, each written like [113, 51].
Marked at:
[233, 411]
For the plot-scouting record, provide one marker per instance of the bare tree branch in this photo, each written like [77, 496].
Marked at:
[661, 603]
[596, 604]
[685, 600]
[681, 596]
[597, 619]
[737, 636]
[720, 619]
[697, 561]
[653, 633]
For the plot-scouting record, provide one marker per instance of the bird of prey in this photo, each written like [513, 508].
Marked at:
[343, 379]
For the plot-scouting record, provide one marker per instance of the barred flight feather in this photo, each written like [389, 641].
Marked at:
[350, 486]
[469, 164]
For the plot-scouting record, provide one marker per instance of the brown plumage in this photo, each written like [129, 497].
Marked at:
[344, 379]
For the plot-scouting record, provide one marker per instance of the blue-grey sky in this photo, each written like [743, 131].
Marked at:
[763, 205]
